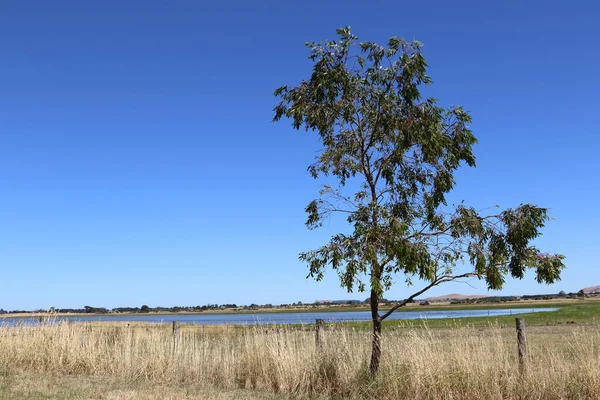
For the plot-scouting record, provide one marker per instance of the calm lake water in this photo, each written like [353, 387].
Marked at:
[287, 318]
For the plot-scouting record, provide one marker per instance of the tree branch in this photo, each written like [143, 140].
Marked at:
[437, 281]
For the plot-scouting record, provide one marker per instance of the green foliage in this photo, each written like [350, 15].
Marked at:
[400, 151]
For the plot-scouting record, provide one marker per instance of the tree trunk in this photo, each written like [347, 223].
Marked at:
[376, 344]
[376, 350]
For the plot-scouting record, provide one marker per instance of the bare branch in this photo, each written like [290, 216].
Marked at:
[437, 281]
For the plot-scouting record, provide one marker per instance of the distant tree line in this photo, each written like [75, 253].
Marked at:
[319, 303]
[176, 309]
[503, 299]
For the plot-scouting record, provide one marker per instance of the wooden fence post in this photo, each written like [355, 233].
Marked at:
[176, 335]
[86, 335]
[521, 344]
[129, 327]
[131, 337]
[319, 334]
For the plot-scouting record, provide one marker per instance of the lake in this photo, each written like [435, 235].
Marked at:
[284, 318]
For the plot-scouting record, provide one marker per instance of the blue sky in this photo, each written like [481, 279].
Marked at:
[139, 164]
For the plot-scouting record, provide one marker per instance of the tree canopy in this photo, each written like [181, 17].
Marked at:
[400, 152]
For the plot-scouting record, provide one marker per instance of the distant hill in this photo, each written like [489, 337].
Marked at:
[455, 296]
[592, 289]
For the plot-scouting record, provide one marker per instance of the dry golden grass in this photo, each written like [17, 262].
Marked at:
[461, 363]
[38, 386]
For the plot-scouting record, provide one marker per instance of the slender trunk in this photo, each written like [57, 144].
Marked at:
[375, 266]
[376, 344]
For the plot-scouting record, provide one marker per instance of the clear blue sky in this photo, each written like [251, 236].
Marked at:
[139, 164]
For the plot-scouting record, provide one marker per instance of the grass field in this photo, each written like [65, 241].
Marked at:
[569, 312]
[43, 386]
[460, 359]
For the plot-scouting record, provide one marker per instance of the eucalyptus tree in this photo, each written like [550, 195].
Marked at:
[393, 155]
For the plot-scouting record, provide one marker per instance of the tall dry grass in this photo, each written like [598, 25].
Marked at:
[460, 363]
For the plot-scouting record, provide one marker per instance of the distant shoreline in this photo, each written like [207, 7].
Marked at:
[343, 308]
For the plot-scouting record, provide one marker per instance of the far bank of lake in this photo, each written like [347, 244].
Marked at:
[283, 318]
